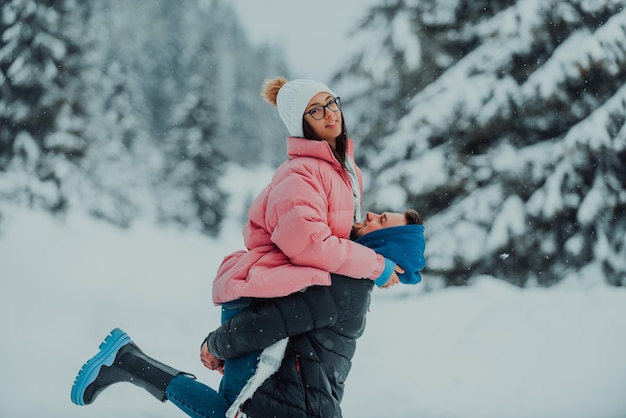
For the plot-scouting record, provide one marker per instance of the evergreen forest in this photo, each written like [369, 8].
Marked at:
[502, 121]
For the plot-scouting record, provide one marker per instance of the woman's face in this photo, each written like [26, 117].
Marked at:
[329, 126]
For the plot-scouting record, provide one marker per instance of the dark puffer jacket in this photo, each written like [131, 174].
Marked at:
[323, 324]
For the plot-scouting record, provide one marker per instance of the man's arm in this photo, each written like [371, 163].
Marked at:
[271, 320]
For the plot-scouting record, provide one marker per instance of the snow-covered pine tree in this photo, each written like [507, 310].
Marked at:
[121, 163]
[201, 122]
[220, 117]
[151, 38]
[250, 131]
[257, 132]
[41, 106]
[515, 153]
[88, 92]
[389, 67]
[191, 194]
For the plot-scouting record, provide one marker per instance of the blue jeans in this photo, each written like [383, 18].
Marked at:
[237, 371]
[200, 401]
[196, 399]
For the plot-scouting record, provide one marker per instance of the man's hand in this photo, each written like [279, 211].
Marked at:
[209, 360]
[394, 279]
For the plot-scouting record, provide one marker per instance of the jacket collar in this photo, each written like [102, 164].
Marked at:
[302, 147]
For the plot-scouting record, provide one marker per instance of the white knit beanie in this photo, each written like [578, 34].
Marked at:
[292, 99]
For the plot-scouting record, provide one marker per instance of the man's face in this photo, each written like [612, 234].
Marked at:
[374, 221]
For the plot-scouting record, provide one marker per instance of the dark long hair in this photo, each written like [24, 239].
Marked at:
[341, 142]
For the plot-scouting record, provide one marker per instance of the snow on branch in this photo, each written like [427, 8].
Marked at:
[579, 55]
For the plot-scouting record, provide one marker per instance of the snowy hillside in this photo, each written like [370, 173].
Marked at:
[489, 350]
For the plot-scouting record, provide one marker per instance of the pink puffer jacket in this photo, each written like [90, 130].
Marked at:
[298, 230]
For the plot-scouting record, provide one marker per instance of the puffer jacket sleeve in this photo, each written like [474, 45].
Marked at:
[272, 320]
[301, 227]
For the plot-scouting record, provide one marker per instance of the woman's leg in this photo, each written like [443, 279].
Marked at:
[121, 360]
[237, 371]
[196, 399]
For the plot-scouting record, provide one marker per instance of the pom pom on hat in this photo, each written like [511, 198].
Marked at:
[291, 99]
[270, 89]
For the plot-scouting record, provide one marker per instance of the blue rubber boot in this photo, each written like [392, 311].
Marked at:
[120, 360]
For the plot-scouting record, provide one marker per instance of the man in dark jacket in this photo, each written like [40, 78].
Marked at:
[322, 324]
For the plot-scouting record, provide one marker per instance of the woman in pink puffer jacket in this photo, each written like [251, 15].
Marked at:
[299, 226]
[298, 229]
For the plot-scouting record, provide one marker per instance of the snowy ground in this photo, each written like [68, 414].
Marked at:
[486, 351]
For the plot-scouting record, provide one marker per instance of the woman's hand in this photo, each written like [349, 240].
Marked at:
[394, 279]
[209, 360]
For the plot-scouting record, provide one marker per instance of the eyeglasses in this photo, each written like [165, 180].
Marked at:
[318, 112]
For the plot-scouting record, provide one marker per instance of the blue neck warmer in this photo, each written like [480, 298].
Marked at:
[404, 245]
